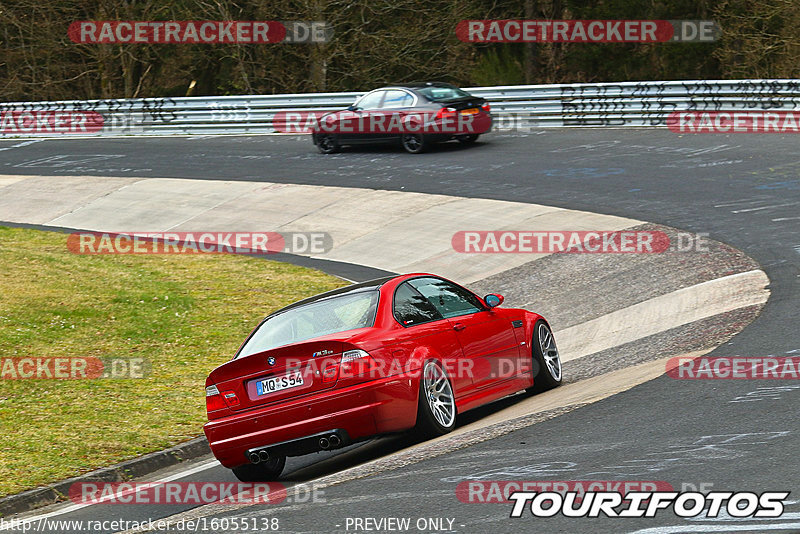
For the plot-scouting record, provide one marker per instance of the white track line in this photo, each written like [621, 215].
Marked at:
[662, 313]
[67, 509]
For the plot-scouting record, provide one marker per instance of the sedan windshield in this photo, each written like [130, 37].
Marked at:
[320, 318]
[443, 94]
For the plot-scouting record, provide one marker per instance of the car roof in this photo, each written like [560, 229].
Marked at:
[368, 285]
[414, 85]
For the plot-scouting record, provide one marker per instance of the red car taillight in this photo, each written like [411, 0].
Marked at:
[356, 363]
[217, 401]
[230, 398]
[330, 373]
[214, 400]
[486, 107]
[353, 363]
[446, 112]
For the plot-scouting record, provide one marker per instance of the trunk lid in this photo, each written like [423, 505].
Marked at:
[278, 374]
[463, 103]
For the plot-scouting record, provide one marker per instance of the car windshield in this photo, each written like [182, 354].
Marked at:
[442, 94]
[328, 316]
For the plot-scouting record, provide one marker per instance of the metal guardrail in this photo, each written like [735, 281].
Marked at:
[628, 104]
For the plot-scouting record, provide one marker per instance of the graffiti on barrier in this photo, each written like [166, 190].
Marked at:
[650, 103]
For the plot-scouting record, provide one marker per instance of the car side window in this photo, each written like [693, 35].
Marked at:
[371, 100]
[396, 98]
[411, 308]
[449, 299]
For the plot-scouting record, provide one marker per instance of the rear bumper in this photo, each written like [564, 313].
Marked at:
[374, 407]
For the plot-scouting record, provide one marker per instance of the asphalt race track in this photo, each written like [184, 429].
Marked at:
[743, 190]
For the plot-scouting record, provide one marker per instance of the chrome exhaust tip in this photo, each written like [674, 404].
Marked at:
[324, 444]
[263, 456]
[334, 440]
[254, 458]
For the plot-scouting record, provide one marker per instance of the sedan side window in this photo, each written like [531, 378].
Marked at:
[449, 299]
[371, 100]
[411, 308]
[397, 99]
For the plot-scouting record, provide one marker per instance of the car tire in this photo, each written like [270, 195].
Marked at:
[328, 144]
[261, 472]
[467, 139]
[436, 412]
[546, 360]
[414, 143]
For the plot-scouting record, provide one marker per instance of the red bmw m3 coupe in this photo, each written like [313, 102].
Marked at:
[388, 355]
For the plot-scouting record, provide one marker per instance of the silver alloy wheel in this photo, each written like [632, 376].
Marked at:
[439, 394]
[549, 351]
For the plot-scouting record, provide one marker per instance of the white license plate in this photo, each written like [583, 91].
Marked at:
[279, 383]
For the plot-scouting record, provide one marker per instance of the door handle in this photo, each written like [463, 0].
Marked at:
[458, 326]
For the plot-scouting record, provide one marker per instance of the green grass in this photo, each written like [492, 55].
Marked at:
[184, 314]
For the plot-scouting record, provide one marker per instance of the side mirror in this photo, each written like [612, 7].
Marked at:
[492, 300]
[352, 108]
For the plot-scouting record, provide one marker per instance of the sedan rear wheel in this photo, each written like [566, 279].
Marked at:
[413, 143]
[436, 414]
[546, 360]
[327, 144]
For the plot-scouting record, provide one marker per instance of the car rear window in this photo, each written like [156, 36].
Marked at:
[443, 94]
[328, 316]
